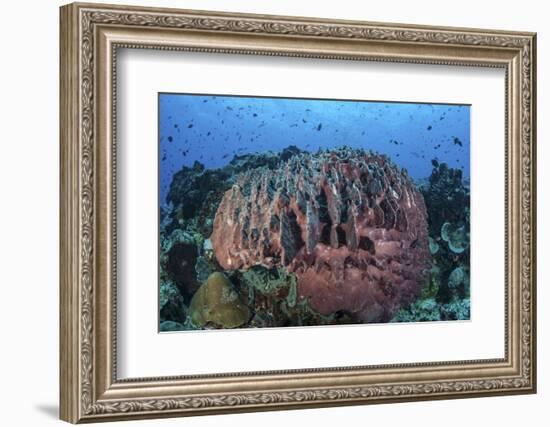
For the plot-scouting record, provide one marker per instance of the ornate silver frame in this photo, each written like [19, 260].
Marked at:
[90, 36]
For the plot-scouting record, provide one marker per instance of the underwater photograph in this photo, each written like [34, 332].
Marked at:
[280, 212]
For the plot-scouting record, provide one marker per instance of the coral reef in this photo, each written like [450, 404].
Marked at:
[448, 200]
[423, 310]
[216, 302]
[272, 293]
[170, 326]
[457, 277]
[178, 282]
[433, 245]
[456, 237]
[267, 282]
[321, 238]
[457, 309]
[447, 296]
[186, 255]
[181, 267]
[348, 223]
[195, 191]
[447, 197]
[171, 302]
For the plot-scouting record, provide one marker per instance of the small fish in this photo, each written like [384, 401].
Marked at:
[429, 127]
[225, 156]
[176, 125]
[304, 120]
[254, 115]
[190, 125]
[170, 139]
[457, 141]
[319, 126]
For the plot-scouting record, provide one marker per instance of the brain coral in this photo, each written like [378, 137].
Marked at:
[218, 303]
[348, 223]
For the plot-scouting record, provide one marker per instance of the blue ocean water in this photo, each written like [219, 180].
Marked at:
[212, 129]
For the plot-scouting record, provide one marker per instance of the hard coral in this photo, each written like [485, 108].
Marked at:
[216, 302]
[348, 223]
[456, 237]
[447, 197]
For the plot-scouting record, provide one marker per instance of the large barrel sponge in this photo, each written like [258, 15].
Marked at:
[349, 223]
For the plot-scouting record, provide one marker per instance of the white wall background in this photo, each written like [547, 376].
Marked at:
[29, 170]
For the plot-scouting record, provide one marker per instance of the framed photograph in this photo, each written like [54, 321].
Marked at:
[266, 212]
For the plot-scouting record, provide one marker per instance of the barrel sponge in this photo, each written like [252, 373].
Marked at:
[348, 223]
